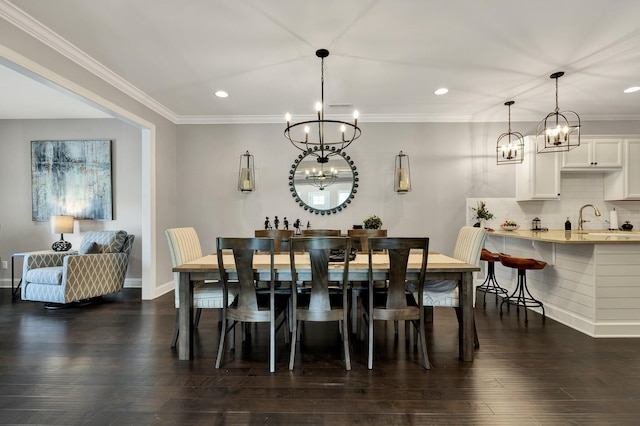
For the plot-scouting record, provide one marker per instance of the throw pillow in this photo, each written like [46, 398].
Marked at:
[92, 248]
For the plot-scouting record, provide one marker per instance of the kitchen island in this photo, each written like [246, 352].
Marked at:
[591, 282]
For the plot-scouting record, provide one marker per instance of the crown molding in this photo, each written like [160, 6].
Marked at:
[26, 23]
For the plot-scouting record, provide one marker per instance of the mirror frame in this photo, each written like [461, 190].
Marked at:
[338, 208]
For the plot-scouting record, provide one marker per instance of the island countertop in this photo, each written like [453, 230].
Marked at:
[592, 236]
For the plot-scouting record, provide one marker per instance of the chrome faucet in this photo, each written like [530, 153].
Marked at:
[581, 220]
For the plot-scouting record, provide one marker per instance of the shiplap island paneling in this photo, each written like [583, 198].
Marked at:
[591, 283]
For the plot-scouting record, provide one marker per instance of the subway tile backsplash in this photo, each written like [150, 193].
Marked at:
[577, 189]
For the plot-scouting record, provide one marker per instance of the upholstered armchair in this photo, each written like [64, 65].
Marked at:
[97, 268]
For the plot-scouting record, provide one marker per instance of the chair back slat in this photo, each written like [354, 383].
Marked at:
[398, 250]
[243, 250]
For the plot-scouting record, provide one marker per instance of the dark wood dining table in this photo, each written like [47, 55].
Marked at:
[439, 267]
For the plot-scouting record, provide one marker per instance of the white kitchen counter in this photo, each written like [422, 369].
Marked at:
[591, 282]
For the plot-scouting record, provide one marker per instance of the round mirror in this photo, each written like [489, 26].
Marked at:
[323, 187]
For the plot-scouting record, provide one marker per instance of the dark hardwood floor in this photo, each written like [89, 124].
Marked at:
[110, 363]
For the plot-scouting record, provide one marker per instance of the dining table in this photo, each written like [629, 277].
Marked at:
[439, 267]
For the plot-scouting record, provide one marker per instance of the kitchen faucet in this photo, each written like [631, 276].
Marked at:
[581, 220]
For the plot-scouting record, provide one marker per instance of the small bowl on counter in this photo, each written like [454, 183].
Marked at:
[510, 227]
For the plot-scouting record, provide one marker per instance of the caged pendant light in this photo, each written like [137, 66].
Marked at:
[559, 130]
[510, 146]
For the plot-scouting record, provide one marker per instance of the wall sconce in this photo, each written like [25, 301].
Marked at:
[61, 225]
[402, 174]
[246, 181]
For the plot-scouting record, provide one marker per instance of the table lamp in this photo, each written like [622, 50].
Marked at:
[61, 225]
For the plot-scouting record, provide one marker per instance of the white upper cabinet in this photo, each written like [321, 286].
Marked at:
[625, 184]
[594, 155]
[538, 177]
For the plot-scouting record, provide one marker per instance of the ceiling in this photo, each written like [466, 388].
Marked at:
[386, 56]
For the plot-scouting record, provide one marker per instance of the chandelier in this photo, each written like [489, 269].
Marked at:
[322, 138]
[555, 131]
[320, 179]
[510, 146]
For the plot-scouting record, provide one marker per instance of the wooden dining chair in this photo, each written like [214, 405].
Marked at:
[393, 303]
[281, 238]
[184, 246]
[322, 301]
[250, 305]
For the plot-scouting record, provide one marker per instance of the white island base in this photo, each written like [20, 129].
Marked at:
[591, 287]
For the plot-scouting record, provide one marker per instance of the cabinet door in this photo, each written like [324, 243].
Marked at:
[538, 177]
[594, 155]
[625, 184]
[607, 153]
[546, 177]
[580, 157]
[632, 169]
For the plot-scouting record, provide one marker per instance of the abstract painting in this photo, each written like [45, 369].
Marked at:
[71, 178]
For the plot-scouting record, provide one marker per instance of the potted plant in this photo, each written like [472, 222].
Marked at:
[373, 222]
[481, 214]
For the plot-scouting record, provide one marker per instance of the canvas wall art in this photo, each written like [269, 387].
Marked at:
[71, 178]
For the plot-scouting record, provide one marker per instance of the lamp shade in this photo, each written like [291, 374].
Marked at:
[61, 224]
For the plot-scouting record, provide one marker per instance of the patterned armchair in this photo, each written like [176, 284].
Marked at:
[97, 268]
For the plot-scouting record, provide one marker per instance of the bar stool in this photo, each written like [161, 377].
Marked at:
[490, 285]
[521, 295]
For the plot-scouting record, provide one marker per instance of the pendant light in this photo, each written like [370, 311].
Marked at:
[560, 130]
[510, 146]
[322, 138]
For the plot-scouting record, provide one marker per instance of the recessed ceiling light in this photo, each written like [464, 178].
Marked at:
[221, 94]
[441, 91]
[632, 89]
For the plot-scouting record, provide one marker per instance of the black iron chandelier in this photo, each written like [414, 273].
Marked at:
[510, 146]
[333, 136]
[559, 130]
[321, 179]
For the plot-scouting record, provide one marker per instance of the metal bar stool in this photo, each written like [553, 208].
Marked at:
[490, 285]
[521, 295]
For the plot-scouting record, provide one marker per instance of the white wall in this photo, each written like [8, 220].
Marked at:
[18, 233]
[449, 163]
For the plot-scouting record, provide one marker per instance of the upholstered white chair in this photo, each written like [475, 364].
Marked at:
[445, 292]
[184, 246]
[98, 268]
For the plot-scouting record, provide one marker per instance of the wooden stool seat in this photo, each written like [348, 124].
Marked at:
[521, 295]
[490, 284]
[488, 256]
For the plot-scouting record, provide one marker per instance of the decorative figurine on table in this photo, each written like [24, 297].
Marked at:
[286, 223]
[296, 226]
[267, 225]
[308, 225]
[276, 222]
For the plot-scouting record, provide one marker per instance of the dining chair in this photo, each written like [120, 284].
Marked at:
[251, 305]
[281, 238]
[184, 246]
[393, 303]
[322, 301]
[438, 293]
[321, 232]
